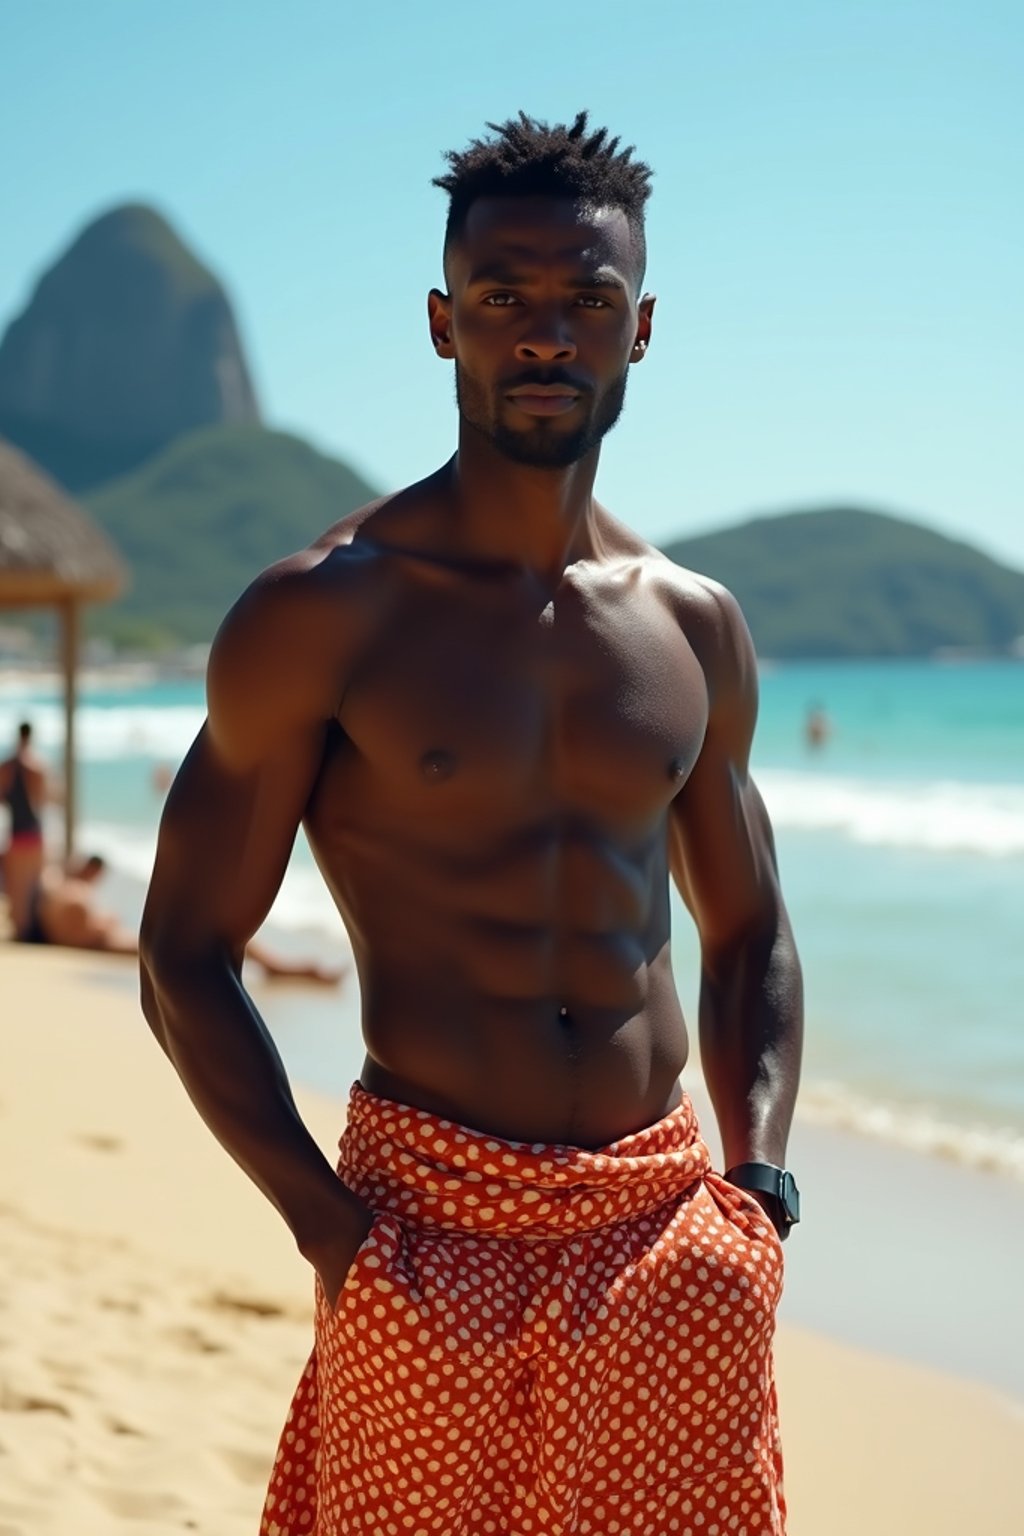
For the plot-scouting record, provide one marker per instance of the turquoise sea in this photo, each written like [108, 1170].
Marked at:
[901, 845]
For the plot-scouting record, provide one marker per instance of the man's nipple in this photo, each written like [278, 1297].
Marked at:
[437, 765]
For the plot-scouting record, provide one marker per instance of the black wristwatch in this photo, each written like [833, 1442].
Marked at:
[769, 1180]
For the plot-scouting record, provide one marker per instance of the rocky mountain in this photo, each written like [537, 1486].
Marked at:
[127, 343]
[844, 582]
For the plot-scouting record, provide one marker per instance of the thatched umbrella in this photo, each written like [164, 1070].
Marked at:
[52, 555]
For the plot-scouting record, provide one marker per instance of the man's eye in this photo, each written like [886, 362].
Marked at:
[501, 300]
[591, 301]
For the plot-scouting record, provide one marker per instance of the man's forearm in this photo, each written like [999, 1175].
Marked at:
[751, 1041]
[223, 1053]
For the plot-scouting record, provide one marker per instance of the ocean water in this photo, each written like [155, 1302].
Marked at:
[901, 848]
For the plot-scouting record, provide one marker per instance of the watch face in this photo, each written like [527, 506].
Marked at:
[790, 1196]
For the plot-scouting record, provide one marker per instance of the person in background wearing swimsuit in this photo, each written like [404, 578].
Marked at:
[23, 786]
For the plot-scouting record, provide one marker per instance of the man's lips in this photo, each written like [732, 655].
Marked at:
[543, 399]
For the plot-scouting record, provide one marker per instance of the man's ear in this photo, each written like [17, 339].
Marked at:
[644, 322]
[439, 317]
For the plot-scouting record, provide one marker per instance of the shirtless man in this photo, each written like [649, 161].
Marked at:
[504, 720]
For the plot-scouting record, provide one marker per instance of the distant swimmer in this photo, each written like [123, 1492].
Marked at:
[25, 789]
[817, 727]
[162, 778]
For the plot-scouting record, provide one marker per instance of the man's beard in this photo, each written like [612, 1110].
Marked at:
[544, 445]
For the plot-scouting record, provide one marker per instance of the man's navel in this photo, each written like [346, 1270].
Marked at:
[437, 765]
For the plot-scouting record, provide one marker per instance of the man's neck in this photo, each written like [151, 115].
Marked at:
[539, 519]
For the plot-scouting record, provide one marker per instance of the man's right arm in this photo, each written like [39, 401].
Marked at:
[225, 839]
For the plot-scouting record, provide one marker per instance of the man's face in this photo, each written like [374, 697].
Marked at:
[542, 319]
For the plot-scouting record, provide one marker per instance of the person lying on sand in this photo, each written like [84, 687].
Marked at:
[63, 911]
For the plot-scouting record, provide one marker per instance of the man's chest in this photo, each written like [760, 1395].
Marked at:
[591, 701]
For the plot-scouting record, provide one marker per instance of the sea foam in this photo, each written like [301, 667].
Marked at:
[994, 1148]
[942, 815]
[109, 734]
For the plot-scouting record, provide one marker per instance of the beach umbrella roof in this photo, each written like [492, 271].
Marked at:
[51, 551]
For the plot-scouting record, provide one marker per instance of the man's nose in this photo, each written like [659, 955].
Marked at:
[546, 342]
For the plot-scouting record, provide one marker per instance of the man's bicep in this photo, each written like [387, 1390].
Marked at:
[236, 803]
[721, 848]
[722, 853]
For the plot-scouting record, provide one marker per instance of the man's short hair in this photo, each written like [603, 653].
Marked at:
[528, 158]
[25, 731]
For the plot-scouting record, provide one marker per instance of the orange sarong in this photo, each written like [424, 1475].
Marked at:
[538, 1340]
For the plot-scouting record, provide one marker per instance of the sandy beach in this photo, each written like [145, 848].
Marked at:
[154, 1316]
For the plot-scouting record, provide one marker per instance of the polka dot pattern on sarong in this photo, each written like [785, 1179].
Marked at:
[538, 1340]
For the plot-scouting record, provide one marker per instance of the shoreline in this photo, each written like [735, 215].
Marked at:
[987, 1147]
[155, 1316]
[863, 1201]
[981, 1138]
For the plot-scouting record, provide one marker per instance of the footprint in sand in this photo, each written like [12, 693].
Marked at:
[97, 1142]
[192, 1339]
[30, 1402]
[119, 1427]
[247, 1466]
[68, 1376]
[252, 1306]
[137, 1504]
[119, 1304]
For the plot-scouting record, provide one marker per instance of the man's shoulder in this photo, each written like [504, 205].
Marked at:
[306, 617]
[339, 564]
[345, 558]
[712, 620]
[705, 609]
[703, 606]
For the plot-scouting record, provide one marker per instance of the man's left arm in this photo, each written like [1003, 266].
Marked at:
[722, 856]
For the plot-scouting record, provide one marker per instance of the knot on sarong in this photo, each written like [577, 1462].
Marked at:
[439, 1173]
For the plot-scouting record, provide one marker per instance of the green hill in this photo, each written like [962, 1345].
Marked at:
[200, 520]
[197, 522]
[844, 583]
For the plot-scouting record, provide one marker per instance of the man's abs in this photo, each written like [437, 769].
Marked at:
[530, 996]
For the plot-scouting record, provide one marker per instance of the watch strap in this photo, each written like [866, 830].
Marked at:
[769, 1179]
[765, 1177]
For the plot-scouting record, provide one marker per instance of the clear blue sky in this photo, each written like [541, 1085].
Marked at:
[836, 233]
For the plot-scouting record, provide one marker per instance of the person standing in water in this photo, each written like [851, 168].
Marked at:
[24, 789]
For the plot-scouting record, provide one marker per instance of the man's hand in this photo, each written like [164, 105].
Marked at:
[332, 1258]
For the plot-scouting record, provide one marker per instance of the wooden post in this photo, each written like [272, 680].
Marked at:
[69, 661]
